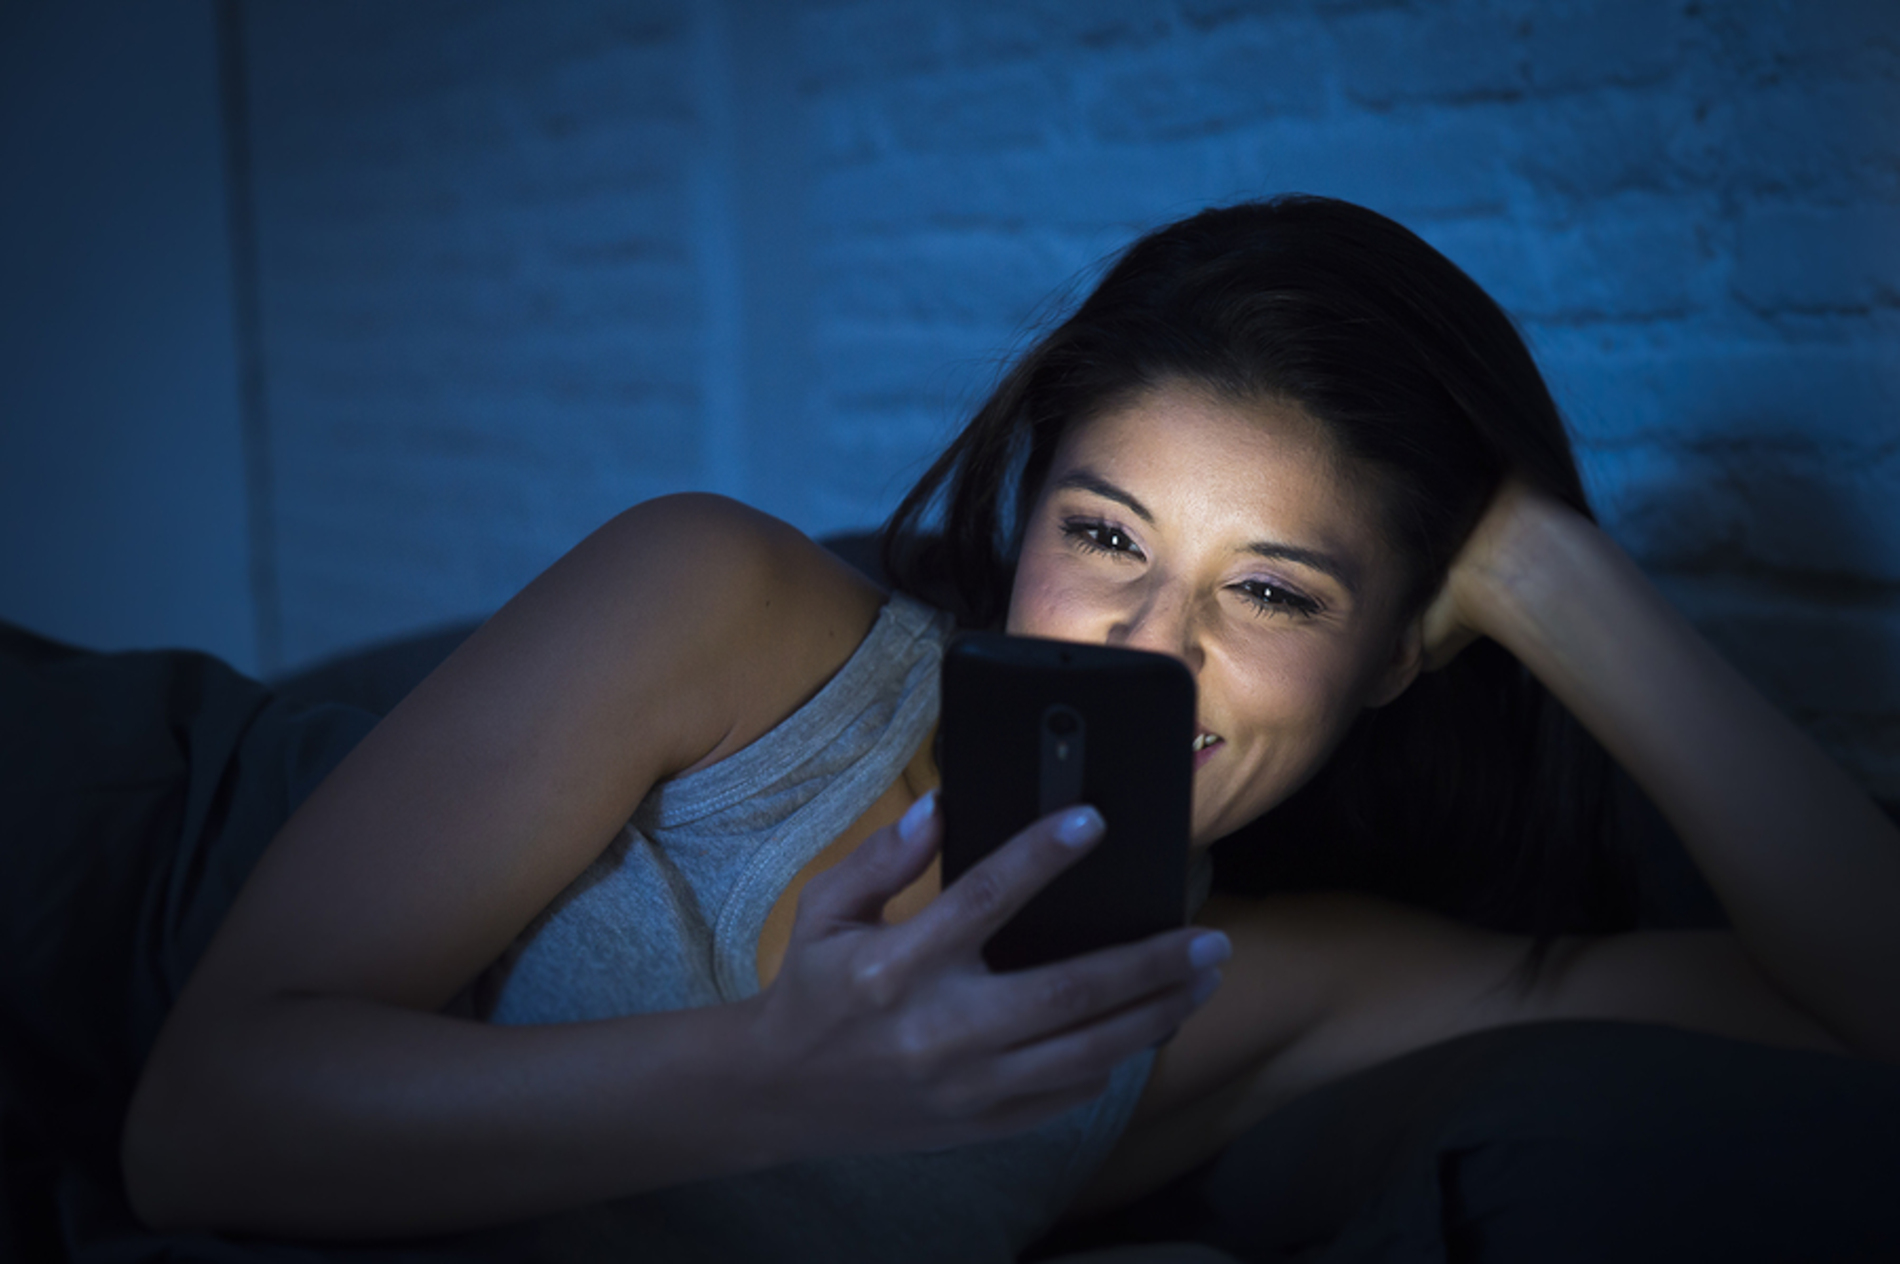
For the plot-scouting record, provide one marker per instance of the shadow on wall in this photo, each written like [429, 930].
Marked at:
[1777, 552]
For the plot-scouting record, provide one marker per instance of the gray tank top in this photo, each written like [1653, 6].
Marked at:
[669, 918]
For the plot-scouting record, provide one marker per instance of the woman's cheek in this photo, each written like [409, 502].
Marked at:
[1300, 711]
[1030, 606]
[1026, 598]
[1055, 601]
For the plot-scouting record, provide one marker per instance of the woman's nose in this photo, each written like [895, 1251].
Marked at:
[1163, 622]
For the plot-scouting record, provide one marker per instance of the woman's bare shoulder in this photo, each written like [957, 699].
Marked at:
[736, 561]
[678, 631]
[765, 614]
[712, 619]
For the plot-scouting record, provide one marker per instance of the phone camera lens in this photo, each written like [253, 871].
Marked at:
[1061, 721]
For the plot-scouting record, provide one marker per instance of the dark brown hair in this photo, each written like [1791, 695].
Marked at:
[1475, 792]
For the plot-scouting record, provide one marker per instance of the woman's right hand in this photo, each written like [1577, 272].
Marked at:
[306, 1082]
[880, 1037]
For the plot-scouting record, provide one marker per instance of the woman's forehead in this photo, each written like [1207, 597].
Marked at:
[1268, 455]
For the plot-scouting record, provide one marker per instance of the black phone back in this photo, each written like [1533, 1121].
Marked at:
[1030, 726]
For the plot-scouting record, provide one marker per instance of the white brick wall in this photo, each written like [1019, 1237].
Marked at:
[122, 471]
[481, 299]
[508, 251]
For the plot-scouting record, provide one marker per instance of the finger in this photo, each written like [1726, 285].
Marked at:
[1019, 1114]
[857, 888]
[1032, 1005]
[1082, 1055]
[976, 905]
[1018, 1087]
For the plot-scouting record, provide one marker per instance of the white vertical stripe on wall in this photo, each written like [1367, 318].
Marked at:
[716, 245]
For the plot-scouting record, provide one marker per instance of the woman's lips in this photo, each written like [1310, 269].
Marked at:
[1205, 744]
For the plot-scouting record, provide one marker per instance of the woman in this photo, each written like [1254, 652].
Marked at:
[1287, 443]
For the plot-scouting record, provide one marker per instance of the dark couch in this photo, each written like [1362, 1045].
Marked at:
[137, 789]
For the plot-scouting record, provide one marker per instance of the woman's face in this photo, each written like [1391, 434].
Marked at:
[1226, 536]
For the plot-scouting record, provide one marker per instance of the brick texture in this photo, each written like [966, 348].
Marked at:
[498, 239]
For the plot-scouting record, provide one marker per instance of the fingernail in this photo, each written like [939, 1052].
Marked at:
[914, 820]
[1205, 986]
[1079, 827]
[1209, 949]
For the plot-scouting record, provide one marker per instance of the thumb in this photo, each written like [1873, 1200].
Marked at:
[857, 888]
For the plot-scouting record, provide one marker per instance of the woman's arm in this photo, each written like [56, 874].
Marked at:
[1805, 864]
[304, 1083]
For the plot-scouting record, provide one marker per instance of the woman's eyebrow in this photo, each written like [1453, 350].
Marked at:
[1324, 563]
[1089, 481]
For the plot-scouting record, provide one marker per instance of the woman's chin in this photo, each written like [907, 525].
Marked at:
[1206, 830]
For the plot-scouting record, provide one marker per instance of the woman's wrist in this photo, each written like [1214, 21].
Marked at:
[1539, 567]
[771, 1128]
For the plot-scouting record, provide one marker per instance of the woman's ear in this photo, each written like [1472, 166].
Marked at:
[1408, 659]
[1443, 631]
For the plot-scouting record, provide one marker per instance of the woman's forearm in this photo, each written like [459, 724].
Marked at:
[325, 1116]
[1807, 867]
[333, 1117]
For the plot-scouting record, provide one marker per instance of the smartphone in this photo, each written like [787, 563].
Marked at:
[1030, 726]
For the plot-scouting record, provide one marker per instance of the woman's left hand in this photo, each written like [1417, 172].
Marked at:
[1497, 555]
[1806, 866]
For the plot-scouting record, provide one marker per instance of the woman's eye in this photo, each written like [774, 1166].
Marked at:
[1101, 536]
[1273, 599]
